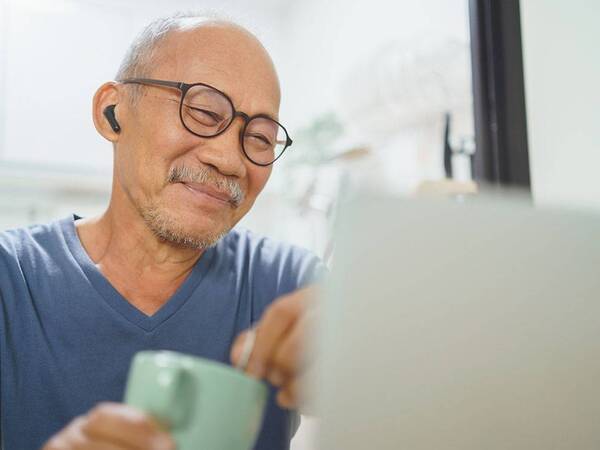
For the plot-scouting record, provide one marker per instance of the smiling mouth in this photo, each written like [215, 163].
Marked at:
[214, 194]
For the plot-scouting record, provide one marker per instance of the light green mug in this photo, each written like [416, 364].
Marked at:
[206, 405]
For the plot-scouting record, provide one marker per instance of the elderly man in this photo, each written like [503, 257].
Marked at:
[193, 119]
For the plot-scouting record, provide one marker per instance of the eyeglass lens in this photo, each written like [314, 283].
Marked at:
[206, 112]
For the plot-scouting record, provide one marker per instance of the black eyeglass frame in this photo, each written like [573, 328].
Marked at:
[185, 87]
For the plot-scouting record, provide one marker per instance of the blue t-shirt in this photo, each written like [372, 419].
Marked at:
[67, 336]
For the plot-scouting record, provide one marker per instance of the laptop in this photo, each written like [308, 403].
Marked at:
[472, 325]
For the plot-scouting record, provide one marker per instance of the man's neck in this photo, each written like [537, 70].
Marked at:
[144, 269]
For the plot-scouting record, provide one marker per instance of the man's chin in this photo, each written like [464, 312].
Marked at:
[188, 241]
[178, 232]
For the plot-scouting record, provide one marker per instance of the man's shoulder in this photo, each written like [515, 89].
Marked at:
[19, 243]
[267, 257]
[263, 249]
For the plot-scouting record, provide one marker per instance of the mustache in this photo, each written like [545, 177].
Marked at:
[210, 177]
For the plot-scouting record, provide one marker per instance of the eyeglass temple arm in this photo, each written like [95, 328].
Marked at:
[151, 82]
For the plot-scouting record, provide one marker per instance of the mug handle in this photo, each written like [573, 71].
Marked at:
[169, 404]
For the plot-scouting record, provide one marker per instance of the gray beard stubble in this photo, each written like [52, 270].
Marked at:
[166, 228]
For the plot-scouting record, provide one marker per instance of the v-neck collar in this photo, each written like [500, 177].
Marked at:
[119, 303]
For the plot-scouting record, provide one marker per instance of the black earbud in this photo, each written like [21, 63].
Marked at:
[109, 113]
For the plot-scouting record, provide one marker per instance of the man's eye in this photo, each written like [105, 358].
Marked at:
[205, 116]
[260, 139]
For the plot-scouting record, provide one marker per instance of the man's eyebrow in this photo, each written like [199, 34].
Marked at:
[274, 117]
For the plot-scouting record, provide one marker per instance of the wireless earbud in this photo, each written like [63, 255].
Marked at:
[109, 113]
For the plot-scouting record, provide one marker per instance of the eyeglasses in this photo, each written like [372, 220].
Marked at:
[207, 112]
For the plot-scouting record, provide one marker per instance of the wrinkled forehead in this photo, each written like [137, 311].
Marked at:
[225, 56]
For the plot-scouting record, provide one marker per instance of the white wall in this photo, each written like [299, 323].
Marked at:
[326, 40]
[388, 70]
[3, 34]
[562, 73]
[57, 55]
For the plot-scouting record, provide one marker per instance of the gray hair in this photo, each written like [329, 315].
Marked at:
[138, 60]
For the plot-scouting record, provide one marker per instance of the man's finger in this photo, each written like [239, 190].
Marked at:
[272, 331]
[289, 395]
[73, 437]
[269, 333]
[126, 426]
[290, 356]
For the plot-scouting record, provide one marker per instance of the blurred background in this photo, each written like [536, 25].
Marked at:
[396, 95]
[366, 90]
[402, 96]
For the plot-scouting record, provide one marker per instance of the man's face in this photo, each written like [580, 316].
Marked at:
[154, 148]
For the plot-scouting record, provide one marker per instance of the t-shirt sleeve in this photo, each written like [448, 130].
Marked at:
[311, 270]
[279, 269]
[3, 271]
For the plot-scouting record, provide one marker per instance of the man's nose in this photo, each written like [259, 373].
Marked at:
[224, 152]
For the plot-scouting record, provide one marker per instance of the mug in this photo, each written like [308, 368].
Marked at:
[203, 403]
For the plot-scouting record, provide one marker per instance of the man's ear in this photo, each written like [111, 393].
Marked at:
[105, 111]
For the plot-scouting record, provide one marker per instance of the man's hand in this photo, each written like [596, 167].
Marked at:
[112, 426]
[279, 350]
